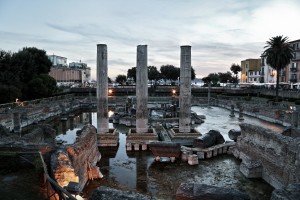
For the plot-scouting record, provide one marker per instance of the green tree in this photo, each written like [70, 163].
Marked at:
[109, 80]
[11, 93]
[279, 54]
[169, 72]
[153, 73]
[41, 86]
[225, 77]
[235, 68]
[212, 78]
[131, 73]
[9, 74]
[193, 75]
[121, 79]
[27, 65]
[31, 62]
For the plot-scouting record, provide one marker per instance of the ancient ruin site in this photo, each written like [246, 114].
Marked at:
[141, 142]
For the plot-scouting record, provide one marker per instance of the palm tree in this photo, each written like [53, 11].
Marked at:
[279, 54]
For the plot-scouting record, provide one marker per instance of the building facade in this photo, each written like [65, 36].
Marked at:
[250, 70]
[292, 68]
[86, 71]
[76, 72]
[64, 74]
[268, 74]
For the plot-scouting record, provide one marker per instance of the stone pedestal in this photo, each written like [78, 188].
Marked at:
[140, 141]
[184, 138]
[241, 114]
[109, 139]
[106, 137]
[232, 111]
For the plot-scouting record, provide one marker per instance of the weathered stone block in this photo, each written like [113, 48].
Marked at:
[209, 154]
[251, 169]
[193, 159]
[144, 147]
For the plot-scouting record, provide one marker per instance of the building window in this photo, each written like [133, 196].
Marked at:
[254, 79]
[294, 65]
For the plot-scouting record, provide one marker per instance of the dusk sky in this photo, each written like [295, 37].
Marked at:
[220, 32]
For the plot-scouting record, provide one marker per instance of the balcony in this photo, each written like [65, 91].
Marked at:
[293, 69]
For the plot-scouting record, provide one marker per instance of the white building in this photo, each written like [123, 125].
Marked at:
[58, 61]
[268, 74]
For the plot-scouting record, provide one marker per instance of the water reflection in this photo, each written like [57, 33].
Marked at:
[137, 171]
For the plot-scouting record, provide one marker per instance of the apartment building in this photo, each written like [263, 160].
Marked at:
[250, 70]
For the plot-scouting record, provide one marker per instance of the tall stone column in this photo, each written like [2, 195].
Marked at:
[141, 90]
[102, 89]
[185, 89]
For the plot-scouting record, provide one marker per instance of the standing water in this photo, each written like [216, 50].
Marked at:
[139, 172]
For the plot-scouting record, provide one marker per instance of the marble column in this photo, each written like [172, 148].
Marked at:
[141, 90]
[102, 89]
[185, 89]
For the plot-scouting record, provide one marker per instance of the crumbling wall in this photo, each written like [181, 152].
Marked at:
[83, 157]
[272, 156]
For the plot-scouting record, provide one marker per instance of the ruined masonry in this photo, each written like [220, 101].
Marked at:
[73, 165]
[272, 156]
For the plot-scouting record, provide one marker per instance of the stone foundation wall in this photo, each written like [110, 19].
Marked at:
[273, 156]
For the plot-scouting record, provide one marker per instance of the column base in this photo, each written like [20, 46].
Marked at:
[184, 138]
[140, 141]
[110, 139]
